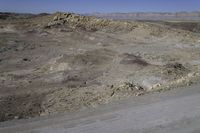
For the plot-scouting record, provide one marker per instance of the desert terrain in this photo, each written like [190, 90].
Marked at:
[186, 16]
[64, 62]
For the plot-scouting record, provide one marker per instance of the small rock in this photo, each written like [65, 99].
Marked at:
[189, 83]
[91, 38]
[43, 34]
[99, 43]
[55, 18]
[152, 83]
[190, 74]
[26, 59]
[139, 87]
[139, 94]
[112, 94]
[181, 80]
[16, 117]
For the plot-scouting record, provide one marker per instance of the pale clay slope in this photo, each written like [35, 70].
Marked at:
[66, 62]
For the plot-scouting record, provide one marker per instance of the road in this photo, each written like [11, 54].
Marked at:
[174, 111]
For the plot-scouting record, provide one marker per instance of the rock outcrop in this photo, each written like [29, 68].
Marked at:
[75, 21]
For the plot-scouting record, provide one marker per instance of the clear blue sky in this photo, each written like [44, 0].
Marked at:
[88, 6]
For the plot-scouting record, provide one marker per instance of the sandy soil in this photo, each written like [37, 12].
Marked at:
[64, 62]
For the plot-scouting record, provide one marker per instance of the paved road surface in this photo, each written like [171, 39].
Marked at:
[175, 111]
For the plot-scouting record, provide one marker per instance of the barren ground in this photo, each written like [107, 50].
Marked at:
[65, 62]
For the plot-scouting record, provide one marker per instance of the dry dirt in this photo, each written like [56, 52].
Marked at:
[66, 62]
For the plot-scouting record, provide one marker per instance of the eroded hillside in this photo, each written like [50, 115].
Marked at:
[65, 62]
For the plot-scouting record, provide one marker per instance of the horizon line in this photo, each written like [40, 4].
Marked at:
[102, 12]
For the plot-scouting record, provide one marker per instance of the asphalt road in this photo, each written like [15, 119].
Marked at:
[175, 111]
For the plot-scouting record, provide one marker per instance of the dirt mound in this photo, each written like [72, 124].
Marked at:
[75, 21]
[68, 99]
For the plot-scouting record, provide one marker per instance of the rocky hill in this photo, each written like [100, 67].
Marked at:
[65, 62]
[75, 21]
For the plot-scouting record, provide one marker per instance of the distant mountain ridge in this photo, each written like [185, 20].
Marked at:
[118, 16]
[11, 15]
[150, 15]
